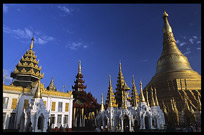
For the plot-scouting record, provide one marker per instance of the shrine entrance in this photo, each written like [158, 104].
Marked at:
[126, 124]
[40, 123]
[147, 122]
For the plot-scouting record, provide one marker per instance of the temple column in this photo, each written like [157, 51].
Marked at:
[129, 124]
[122, 125]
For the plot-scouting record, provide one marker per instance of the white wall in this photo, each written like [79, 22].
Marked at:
[48, 99]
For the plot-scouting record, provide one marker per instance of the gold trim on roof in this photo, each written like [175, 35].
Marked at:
[44, 91]
[57, 93]
[16, 88]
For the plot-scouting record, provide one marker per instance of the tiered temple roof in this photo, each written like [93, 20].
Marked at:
[110, 99]
[79, 86]
[27, 70]
[119, 87]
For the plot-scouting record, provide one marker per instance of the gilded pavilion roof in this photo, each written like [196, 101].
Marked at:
[28, 64]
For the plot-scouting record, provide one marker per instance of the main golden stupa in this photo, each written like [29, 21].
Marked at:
[174, 76]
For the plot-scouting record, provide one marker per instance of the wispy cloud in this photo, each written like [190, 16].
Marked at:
[66, 10]
[26, 33]
[182, 44]
[8, 79]
[5, 8]
[191, 40]
[76, 45]
[189, 44]
[187, 52]
[198, 42]
[195, 37]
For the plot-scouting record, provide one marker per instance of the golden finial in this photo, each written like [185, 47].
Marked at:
[167, 28]
[31, 46]
[155, 94]
[134, 92]
[152, 100]
[120, 67]
[38, 93]
[79, 66]
[102, 106]
[133, 81]
[109, 80]
[142, 99]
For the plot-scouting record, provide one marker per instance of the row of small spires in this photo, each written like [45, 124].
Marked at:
[154, 101]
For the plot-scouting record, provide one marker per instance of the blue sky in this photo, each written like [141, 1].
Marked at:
[101, 35]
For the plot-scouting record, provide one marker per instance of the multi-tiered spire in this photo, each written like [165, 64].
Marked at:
[110, 100]
[119, 87]
[134, 97]
[52, 86]
[79, 86]
[27, 70]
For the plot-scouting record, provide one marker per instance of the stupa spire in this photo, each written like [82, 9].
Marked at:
[178, 61]
[79, 66]
[142, 99]
[167, 28]
[52, 86]
[119, 87]
[38, 92]
[134, 93]
[102, 106]
[79, 83]
[110, 96]
[31, 45]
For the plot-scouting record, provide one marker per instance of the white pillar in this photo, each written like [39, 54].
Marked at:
[122, 125]
[129, 124]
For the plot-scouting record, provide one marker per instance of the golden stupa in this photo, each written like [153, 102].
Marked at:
[174, 76]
